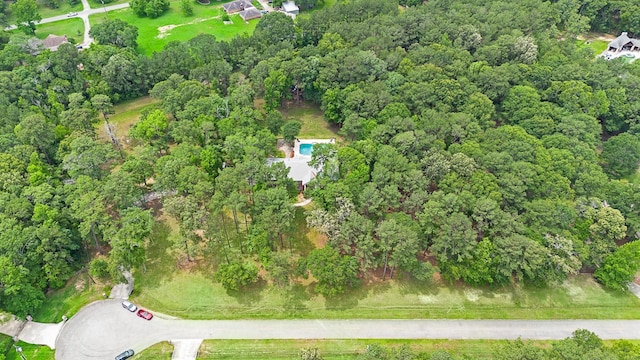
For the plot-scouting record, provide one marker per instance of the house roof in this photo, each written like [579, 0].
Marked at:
[623, 40]
[299, 169]
[250, 13]
[53, 41]
[237, 5]
[290, 6]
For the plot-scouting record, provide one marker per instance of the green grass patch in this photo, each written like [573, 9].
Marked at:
[95, 4]
[192, 294]
[597, 46]
[158, 351]
[73, 28]
[314, 124]
[78, 292]
[31, 352]
[154, 34]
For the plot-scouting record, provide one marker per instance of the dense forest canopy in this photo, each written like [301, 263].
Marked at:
[478, 140]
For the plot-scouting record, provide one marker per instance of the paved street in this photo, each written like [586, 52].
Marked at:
[103, 329]
[84, 15]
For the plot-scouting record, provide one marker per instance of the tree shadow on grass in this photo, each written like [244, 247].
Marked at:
[409, 285]
[249, 295]
[295, 297]
[160, 263]
[351, 298]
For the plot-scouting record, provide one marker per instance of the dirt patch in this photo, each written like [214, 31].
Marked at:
[163, 31]
[81, 284]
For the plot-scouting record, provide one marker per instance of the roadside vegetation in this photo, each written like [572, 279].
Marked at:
[402, 349]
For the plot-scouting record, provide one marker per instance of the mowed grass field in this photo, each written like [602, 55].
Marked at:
[596, 45]
[314, 124]
[191, 293]
[154, 34]
[334, 349]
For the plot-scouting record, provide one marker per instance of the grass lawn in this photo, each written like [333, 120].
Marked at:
[332, 349]
[154, 34]
[46, 11]
[31, 352]
[158, 351]
[95, 4]
[73, 28]
[67, 301]
[597, 46]
[125, 115]
[314, 124]
[192, 294]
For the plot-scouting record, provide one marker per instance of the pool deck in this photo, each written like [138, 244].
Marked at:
[630, 55]
[298, 142]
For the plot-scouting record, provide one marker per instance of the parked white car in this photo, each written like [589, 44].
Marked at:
[129, 306]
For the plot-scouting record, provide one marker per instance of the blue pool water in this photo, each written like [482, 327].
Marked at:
[306, 149]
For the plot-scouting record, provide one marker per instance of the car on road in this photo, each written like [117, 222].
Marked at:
[125, 355]
[129, 306]
[145, 314]
[72, 14]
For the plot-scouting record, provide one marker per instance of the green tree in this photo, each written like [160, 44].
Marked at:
[620, 267]
[620, 155]
[26, 14]
[236, 274]
[275, 89]
[333, 271]
[115, 32]
[152, 126]
[187, 7]
[87, 157]
[290, 130]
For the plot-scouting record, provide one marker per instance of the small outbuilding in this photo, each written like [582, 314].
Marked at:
[624, 42]
[237, 6]
[251, 13]
[52, 42]
[290, 7]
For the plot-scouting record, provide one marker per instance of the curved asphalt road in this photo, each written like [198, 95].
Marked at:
[103, 329]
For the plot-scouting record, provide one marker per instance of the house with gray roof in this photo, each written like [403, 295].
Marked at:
[250, 13]
[237, 6]
[290, 7]
[624, 42]
[52, 42]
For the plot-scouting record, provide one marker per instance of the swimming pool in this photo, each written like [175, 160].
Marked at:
[306, 149]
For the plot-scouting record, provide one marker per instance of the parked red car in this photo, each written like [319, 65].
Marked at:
[145, 314]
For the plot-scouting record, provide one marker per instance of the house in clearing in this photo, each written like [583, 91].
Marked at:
[237, 6]
[52, 42]
[250, 13]
[624, 42]
[290, 7]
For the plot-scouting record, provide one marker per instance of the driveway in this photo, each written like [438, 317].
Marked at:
[103, 329]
